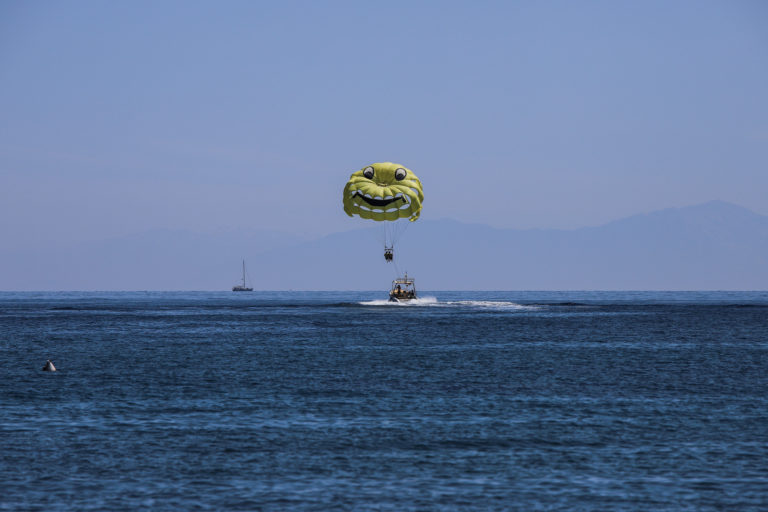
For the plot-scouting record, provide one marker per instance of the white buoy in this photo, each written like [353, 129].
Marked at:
[49, 366]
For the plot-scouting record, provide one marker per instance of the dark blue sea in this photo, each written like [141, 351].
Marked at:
[339, 401]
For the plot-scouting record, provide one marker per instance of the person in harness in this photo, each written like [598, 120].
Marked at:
[388, 254]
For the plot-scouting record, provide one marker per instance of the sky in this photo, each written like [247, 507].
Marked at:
[122, 117]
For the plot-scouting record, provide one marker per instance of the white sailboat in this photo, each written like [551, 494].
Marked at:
[243, 287]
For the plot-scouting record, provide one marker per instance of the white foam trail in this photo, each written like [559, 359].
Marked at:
[421, 301]
[490, 304]
[432, 301]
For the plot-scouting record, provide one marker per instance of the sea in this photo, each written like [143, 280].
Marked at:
[577, 401]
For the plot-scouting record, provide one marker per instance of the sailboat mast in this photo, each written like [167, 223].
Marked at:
[243, 273]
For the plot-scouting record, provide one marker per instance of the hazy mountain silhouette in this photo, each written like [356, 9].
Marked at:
[710, 246]
[715, 245]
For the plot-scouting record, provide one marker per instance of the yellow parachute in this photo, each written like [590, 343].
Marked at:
[384, 191]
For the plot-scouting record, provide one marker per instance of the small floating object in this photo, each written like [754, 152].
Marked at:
[49, 366]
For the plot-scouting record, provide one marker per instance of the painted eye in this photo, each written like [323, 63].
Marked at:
[400, 174]
[368, 172]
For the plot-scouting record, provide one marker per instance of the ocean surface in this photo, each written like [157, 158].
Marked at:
[341, 401]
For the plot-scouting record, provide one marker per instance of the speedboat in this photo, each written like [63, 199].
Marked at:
[403, 289]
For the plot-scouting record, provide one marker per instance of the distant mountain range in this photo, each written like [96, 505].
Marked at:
[712, 246]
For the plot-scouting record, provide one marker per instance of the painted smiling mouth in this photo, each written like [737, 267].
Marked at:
[373, 201]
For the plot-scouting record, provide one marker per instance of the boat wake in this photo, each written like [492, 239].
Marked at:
[477, 304]
[421, 301]
[492, 304]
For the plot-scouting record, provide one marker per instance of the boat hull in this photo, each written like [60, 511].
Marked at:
[402, 299]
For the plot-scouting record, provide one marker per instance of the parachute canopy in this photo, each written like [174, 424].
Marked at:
[383, 191]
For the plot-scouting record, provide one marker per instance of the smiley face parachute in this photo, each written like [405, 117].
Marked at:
[385, 192]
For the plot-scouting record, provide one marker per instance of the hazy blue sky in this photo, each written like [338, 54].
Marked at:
[118, 117]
